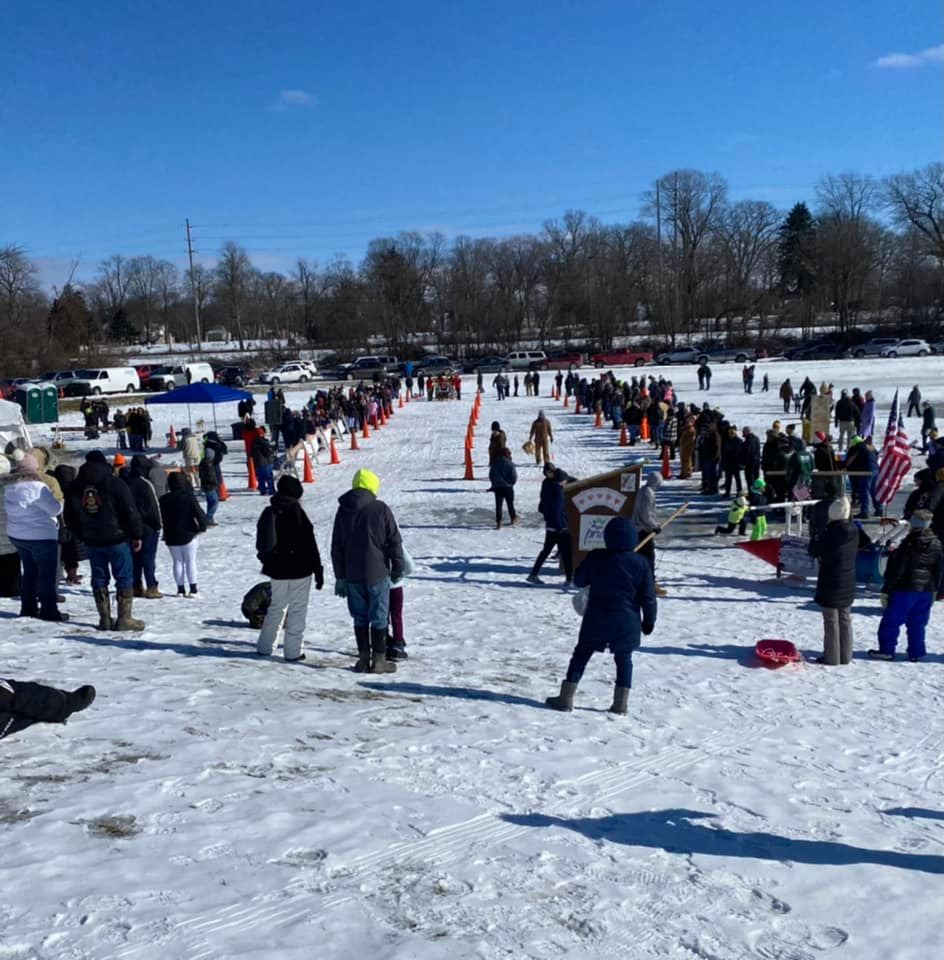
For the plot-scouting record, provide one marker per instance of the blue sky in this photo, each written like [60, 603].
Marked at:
[310, 127]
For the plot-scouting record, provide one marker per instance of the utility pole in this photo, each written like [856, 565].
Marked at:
[659, 260]
[675, 216]
[193, 289]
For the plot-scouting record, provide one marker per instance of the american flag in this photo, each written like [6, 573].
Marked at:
[896, 456]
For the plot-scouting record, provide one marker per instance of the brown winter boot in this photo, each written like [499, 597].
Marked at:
[152, 593]
[103, 605]
[125, 621]
[564, 701]
[620, 700]
[362, 634]
[378, 640]
[139, 591]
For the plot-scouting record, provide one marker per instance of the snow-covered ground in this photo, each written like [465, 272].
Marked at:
[212, 805]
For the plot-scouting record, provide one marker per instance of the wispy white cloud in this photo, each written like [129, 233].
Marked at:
[909, 61]
[293, 99]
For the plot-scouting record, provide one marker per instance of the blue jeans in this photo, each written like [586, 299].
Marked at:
[213, 501]
[40, 562]
[369, 605]
[912, 610]
[143, 562]
[117, 558]
[265, 480]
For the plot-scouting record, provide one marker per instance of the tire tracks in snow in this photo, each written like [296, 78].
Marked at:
[438, 848]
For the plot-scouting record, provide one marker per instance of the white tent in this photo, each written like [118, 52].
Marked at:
[12, 428]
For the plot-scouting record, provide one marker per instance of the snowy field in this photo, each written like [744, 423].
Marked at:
[214, 805]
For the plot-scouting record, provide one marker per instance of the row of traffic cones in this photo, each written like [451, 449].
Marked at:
[470, 436]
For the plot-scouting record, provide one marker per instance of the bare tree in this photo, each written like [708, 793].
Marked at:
[143, 285]
[233, 279]
[917, 200]
[19, 284]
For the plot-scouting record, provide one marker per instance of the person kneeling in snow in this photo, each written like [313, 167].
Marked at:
[737, 517]
[621, 604]
[23, 703]
[913, 577]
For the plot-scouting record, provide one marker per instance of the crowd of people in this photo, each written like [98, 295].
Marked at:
[114, 514]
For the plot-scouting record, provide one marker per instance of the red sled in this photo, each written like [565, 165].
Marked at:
[776, 653]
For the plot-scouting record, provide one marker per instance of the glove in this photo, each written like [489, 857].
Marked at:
[340, 588]
[647, 627]
[883, 599]
[657, 530]
[396, 581]
[319, 578]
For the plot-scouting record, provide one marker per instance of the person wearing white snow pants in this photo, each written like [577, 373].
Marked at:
[285, 543]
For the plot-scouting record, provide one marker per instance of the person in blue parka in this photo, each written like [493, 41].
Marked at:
[621, 605]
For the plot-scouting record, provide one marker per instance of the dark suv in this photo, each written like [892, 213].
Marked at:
[233, 377]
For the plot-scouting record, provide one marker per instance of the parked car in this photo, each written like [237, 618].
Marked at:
[434, 367]
[908, 348]
[233, 376]
[364, 367]
[937, 346]
[57, 377]
[489, 364]
[523, 359]
[103, 380]
[294, 372]
[824, 351]
[561, 360]
[725, 354]
[680, 355]
[173, 375]
[621, 358]
[873, 347]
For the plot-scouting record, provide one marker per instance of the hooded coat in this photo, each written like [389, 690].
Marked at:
[365, 542]
[285, 541]
[622, 593]
[917, 566]
[837, 549]
[99, 508]
[142, 490]
[183, 517]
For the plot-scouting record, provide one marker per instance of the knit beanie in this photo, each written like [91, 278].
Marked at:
[95, 456]
[921, 519]
[289, 486]
[840, 509]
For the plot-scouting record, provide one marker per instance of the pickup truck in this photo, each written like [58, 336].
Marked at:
[621, 358]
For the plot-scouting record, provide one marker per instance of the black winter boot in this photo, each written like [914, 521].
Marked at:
[378, 641]
[362, 635]
[80, 698]
[39, 702]
[564, 701]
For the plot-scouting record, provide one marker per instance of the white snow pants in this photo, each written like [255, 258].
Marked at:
[185, 563]
[289, 603]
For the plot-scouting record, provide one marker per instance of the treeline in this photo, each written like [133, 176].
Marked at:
[694, 264]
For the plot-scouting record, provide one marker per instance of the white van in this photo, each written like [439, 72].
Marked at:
[104, 380]
[525, 359]
[179, 375]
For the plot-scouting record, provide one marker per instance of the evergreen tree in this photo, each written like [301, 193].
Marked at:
[797, 253]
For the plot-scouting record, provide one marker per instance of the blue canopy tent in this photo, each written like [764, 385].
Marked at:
[212, 393]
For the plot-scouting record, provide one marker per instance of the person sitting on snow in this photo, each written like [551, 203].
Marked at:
[913, 578]
[620, 606]
[737, 517]
[23, 703]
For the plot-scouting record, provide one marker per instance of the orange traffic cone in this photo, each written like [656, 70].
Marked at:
[577, 405]
[401, 404]
[334, 452]
[469, 474]
[354, 445]
[171, 439]
[566, 400]
[666, 463]
[309, 476]
[644, 429]
[366, 429]
[253, 482]
[598, 420]
[223, 493]
[624, 436]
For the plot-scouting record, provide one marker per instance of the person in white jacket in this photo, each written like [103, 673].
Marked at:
[31, 511]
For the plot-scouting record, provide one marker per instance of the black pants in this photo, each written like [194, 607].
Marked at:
[504, 495]
[731, 474]
[741, 528]
[751, 473]
[560, 539]
[581, 657]
[23, 703]
[648, 550]
[913, 406]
